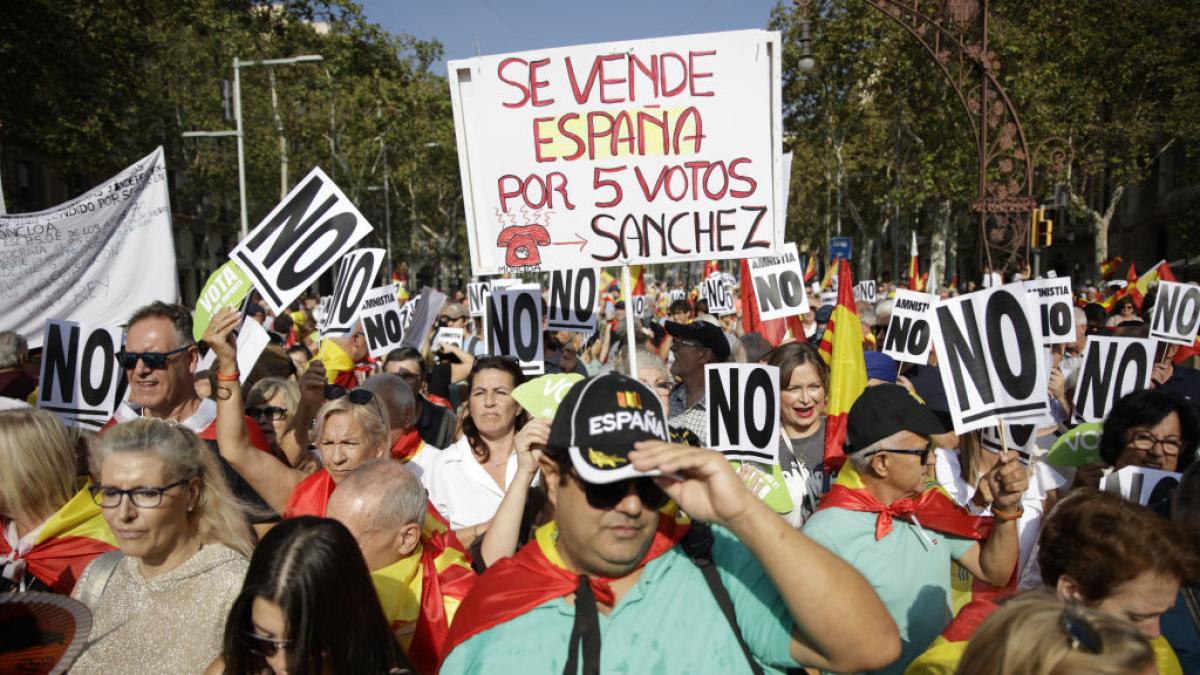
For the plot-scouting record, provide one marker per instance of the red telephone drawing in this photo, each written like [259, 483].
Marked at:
[522, 242]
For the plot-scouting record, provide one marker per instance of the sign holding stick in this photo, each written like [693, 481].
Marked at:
[81, 381]
[779, 284]
[573, 300]
[310, 230]
[515, 326]
[1019, 437]
[1176, 313]
[990, 357]
[1112, 367]
[743, 411]
[909, 335]
[355, 276]
[1055, 309]
[382, 325]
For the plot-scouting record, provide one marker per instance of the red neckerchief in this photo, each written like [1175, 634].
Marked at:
[439, 400]
[519, 583]
[310, 496]
[933, 509]
[407, 445]
[433, 627]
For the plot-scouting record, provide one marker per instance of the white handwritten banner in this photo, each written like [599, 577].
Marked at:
[94, 259]
[642, 151]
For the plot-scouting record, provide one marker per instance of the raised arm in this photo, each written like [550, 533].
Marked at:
[271, 478]
[708, 490]
[993, 561]
[295, 440]
[504, 530]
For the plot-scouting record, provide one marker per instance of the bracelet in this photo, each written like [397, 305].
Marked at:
[1008, 517]
[231, 377]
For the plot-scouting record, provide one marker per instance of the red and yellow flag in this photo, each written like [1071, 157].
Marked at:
[67, 542]
[1139, 289]
[711, 267]
[842, 348]
[810, 270]
[1109, 267]
[773, 330]
[914, 266]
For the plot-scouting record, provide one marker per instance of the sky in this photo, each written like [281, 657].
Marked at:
[501, 26]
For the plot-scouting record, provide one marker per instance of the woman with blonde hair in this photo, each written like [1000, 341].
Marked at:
[273, 403]
[1041, 635]
[51, 530]
[351, 428]
[159, 604]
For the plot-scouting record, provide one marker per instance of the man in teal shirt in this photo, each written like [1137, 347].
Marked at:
[885, 518]
[607, 588]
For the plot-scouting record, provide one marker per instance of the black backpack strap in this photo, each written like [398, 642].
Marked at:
[697, 543]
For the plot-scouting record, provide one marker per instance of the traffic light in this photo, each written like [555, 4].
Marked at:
[1041, 229]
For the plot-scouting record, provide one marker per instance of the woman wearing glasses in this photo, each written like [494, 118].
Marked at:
[272, 403]
[307, 584]
[351, 428]
[159, 604]
[1151, 428]
[467, 480]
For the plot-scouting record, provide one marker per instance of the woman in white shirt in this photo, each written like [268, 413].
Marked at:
[467, 480]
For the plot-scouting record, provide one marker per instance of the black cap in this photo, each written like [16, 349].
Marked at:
[883, 410]
[708, 334]
[600, 419]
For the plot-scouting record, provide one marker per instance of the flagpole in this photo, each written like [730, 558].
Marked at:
[630, 323]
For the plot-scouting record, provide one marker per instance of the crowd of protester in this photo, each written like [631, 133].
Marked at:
[338, 513]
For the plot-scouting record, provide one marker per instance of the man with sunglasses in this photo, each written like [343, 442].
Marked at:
[886, 517]
[159, 358]
[693, 346]
[620, 583]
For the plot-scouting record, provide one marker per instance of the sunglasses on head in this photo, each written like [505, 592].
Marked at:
[356, 396]
[606, 496]
[153, 360]
[263, 645]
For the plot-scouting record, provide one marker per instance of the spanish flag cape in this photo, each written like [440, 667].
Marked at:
[934, 509]
[310, 496]
[425, 587]
[842, 349]
[408, 446]
[66, 543]
[536, 575]
[340, 369]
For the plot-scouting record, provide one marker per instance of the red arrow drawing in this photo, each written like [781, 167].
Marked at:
[581, 241]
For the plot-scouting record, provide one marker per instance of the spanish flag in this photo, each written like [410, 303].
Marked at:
[842, 348]
[536, 575]
[810, 270]
[64, 546]
[772, 330]
[914, 266]
[1139, 289]
[711, 267]
[639, 282]
[421, 593]
[830, 272]
[1109, 267]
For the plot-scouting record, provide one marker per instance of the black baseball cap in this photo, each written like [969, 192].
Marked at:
[600, 419]
[883, 410]
[708, 334]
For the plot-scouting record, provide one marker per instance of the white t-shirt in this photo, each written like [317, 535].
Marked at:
[1043, 480]
[461, 489]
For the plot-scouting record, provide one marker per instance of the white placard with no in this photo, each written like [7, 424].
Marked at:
[355, 277]
[1141, 485]
[1176, 313]
[515, 326]
[383, 327]
[743, 411]
[1055, 309]
[864, 291]
[1112, 367]
[779, 284]
[720, 299]
[81, 381]
[574, 298]
[909, 335]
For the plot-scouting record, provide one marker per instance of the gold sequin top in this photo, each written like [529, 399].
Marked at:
[173, 623]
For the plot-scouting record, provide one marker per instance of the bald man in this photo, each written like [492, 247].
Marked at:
[419, 579]
[397, 397]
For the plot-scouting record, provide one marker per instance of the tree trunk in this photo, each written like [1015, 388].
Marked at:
[1100, 224]
[952, 246]
[937, 247]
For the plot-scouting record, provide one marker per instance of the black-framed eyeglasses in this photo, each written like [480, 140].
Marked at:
[268, 412]
[1145, 441]
[1081, 634]
[923, 454]
[263, 645]
[109, 497]
[153, 360]
[606, 496]
[358, 396]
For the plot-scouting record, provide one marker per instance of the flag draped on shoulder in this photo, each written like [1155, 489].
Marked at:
[842, 349]
[310, 496]
[64, 546]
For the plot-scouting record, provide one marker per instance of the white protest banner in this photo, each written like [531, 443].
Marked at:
[477, 292]
[641, 151]
[1141, 485]
[515, 326]
[304, 235]
[81, 381]
[1018, 438]
[420, 322]
[355, 277]
[678, 294]
[447, 336]
[382, 326]
[1176, 313]
[1055, 309]
[743, 411]
[779, 284]
[94, 259]
[720, 300]
[864, 291]
[1112, 367]
[908, 333]
[573, 300]
[990, 357]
